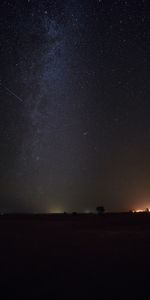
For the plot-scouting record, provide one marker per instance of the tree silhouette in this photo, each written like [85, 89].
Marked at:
[100, 209]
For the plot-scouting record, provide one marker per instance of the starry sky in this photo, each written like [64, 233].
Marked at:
[74, 105]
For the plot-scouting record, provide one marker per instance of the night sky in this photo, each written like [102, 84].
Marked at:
[74, 105]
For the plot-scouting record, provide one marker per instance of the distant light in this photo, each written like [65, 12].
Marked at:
[141, 210]
[88, 211]
[56, 210]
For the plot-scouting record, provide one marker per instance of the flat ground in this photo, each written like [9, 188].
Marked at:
[80, 256]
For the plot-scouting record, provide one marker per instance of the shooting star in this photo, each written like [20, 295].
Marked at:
[11, 92]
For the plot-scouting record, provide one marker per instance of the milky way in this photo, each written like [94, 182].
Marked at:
[81, 71]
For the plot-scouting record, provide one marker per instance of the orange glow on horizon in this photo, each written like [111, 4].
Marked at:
[141, 210]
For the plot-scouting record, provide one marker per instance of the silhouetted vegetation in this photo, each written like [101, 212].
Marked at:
[74, 213]
[100, 210]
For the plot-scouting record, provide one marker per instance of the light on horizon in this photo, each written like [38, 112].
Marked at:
[141, 210]
[56, 210]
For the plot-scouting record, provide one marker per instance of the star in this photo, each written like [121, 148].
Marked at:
[85, 133]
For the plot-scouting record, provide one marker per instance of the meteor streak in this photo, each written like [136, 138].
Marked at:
[11, 92]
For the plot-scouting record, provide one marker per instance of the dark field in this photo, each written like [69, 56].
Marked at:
[82, 256]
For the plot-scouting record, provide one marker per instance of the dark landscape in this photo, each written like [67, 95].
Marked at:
[81, 256]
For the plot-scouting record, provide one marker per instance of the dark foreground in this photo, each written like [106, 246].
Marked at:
[76, 257]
